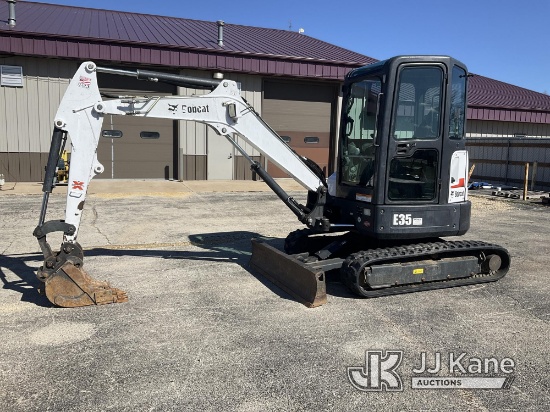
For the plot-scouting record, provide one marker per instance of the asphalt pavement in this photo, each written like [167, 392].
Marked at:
[202, 332]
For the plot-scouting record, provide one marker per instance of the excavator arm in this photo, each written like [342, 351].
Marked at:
[80, 117]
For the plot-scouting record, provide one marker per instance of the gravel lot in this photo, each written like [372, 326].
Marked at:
[201, 332]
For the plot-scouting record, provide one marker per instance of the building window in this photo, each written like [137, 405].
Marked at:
[11, 76]
[149, 135]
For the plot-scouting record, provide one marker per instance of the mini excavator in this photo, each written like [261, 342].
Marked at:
[400, 184]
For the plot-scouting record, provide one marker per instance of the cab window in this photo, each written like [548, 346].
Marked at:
[418, 110]
[458, 103]
[359, 122]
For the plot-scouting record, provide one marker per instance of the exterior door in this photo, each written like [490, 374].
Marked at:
[415, 144]
[220, 157]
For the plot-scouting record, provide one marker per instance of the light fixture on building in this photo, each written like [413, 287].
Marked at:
[217, 75]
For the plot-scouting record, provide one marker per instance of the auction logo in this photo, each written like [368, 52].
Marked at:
[379, 372]
[456, 371]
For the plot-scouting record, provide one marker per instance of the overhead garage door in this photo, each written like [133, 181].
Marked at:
[302, 113]
[148, 147]
[145, 150]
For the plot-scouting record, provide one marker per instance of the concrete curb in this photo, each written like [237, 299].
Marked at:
[156, 187]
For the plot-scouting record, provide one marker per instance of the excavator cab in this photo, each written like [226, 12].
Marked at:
[400, 185]
[402, 162]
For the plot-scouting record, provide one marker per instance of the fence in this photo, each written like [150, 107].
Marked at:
[503, 161]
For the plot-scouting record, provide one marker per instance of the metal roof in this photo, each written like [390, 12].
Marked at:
[51, 20]
[490, 99]
[486, 92]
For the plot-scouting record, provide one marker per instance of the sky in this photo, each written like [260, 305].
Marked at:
[507, 40]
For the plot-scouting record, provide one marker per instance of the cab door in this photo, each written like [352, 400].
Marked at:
[416, 135]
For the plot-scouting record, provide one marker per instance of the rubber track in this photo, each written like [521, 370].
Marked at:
[355, 263]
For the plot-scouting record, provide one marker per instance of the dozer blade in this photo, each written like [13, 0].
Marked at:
[71, 287]
[303, 283]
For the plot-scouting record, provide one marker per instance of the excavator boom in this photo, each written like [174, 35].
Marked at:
[80, 118]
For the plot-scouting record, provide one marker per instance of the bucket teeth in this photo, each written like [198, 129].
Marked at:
[70, 286]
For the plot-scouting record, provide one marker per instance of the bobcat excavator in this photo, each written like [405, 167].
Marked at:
[400, 183]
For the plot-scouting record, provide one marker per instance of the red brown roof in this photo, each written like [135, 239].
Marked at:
[75, 32]
[486, 92]
[490, 99]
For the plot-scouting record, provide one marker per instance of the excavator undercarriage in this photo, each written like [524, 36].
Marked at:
[377, 271]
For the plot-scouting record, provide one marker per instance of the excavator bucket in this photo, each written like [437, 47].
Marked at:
[70, 286]
[306, 284]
